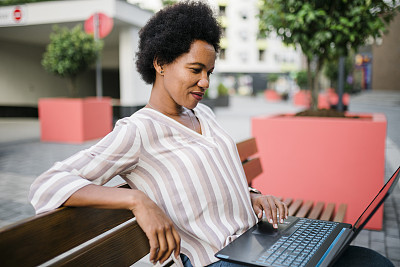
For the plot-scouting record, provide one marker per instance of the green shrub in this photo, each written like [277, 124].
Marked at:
[301, 79]
[273, 77]
[69, 53]
[222, 89]
[18, 2]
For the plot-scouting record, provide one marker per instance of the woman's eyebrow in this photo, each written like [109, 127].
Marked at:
[200, 65]
[197, 63]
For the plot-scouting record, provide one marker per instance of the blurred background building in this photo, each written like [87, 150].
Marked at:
[245, 65]
[247, 58]
[24, 35]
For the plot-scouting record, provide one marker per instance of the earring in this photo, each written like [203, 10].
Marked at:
[162, 71]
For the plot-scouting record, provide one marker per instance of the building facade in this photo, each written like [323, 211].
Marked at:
[243, 65]
[246, 60]
[24, 35]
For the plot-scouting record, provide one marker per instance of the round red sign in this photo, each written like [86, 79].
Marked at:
[17, 14]
[105, 25]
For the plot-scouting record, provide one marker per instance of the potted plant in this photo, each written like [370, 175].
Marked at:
[303, 96]
[210, 102]
[322, 157]
[270, 93]
[223, 96]
[72, 120]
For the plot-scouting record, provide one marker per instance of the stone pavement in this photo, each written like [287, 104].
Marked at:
[23, 157]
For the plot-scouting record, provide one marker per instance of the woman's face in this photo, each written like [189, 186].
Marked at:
[186, 79]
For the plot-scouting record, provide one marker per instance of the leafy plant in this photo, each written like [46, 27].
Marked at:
[69, 53]
[325, 30]
[272, 78]
[222, 89]
[18, 2]
[302, 80]
[168, 2]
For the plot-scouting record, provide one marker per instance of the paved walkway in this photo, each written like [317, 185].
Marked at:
[23, 157]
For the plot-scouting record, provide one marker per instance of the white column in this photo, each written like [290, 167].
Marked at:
[133, 90]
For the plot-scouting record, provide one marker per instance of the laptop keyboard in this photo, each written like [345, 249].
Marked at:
[297, 247]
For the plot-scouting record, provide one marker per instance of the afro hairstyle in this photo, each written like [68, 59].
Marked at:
[170, 33]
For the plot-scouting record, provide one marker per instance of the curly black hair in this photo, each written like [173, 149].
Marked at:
[170, 33]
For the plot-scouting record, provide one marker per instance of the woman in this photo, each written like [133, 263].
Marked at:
[189, 192]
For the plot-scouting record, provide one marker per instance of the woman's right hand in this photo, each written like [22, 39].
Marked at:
[159, 229]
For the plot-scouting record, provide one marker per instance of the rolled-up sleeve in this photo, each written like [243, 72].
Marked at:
[117, 153]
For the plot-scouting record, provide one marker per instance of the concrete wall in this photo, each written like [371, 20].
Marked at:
[23, 80]
[386, 60]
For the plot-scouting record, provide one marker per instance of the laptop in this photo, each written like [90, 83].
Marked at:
[300, 241]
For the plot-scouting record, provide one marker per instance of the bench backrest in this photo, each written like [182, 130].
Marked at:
[248, 156]
[41, 238]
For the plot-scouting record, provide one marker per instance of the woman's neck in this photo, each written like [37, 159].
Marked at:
[175, 112]
[161, 101]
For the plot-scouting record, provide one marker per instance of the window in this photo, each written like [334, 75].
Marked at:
[261, 55]
[223, 31]
[222, 54]
[243, 14]
[222, 10]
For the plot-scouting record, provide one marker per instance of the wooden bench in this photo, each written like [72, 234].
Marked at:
[99, 237]
[299, 208]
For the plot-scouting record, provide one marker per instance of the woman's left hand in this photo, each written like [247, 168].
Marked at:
[271, 206]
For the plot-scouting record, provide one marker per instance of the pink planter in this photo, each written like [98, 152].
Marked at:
[325, 99]
[302, 98]
[323, 102]
[323, 159]
[272, 95]
[74, 120]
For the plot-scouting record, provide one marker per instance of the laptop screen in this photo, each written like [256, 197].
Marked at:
[376, 203]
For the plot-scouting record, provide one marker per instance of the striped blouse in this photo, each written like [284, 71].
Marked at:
[197, 179]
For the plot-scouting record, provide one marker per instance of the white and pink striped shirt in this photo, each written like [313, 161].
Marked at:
[197, 179]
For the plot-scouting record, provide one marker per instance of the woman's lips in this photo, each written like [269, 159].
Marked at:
[198, 95]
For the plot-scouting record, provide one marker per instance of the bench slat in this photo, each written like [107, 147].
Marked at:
[339, 217]
[252, 169]
[316, 211]
[41, 238]
[295, 207]
[328, 212]
[247, 148]
[121, 246]
[305, 208]
[288, 201]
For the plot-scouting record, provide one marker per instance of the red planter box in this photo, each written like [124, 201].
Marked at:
[302, 98]
[74, 120]
[325, 99]
[272, 95]
[335, 160]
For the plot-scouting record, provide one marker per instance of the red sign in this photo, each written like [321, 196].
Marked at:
[17, 14]
[105, 25]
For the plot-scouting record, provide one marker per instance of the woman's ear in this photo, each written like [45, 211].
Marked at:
[159, 68]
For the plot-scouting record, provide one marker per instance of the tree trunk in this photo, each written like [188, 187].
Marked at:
[315, 86]
[311, 85]
[340, 87]
[73, 89]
